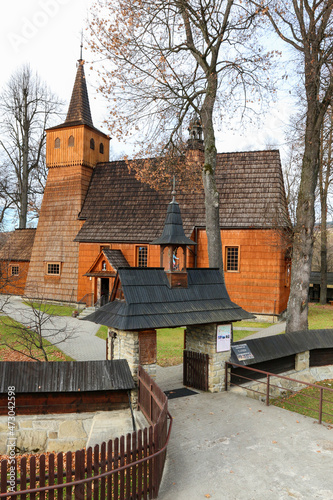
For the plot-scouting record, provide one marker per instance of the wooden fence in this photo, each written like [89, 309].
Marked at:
[126, 468]
[195, 370]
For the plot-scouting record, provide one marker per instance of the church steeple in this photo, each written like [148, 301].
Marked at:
[79, 108]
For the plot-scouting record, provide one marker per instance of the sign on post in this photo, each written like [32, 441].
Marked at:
[223, 338]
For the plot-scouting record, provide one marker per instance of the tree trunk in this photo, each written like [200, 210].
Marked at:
[212, 204]
[323, 254]
[297, 312]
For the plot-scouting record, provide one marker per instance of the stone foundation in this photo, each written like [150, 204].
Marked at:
[66, 432]
[202, 339]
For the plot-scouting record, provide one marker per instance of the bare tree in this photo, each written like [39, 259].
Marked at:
[306, 26]
[325, 179]
[172, 61]
[37, 332]
[26, 107]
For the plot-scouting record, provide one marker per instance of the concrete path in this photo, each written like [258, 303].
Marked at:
[228, 447]
[269, 331]
[82, 345]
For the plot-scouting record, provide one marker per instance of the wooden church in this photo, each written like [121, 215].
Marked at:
[96, 218]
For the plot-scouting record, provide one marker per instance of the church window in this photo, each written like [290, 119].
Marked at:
[232, 258]
[15, 270]
[71, 142]
[53, 268]
[57, 143]
[101, 148]
[92, 144]
[141, 256]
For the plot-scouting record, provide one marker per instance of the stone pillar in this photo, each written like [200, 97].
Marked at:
[138, 348]
[302, 361]
[125, 345]
[202, 338]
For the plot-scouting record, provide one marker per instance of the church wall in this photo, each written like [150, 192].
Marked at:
[58, 225]
[260, 285]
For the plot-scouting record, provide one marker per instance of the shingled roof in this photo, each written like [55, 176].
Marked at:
[17, 245]
[79, 108]
[149, 302]
[251, 196]
[65, 376]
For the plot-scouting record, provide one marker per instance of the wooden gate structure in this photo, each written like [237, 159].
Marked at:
[195, 370]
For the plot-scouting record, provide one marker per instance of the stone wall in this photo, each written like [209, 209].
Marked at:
[67, 432]
[47, 433]
[202, 339]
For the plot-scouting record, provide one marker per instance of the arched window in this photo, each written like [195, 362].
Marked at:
[71, 142]
[103, 265]
[101, 148]
[92, 144]
[57, 143]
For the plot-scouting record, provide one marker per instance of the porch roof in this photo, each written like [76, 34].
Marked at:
[149, 301]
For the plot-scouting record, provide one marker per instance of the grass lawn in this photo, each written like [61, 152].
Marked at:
[320, 317]
[102, 332]
[52, 309]
[7, 331]
[252, 324]
[305, 398]
[170, 346]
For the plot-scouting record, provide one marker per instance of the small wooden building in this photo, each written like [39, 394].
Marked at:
[15, 253]
[65, 386]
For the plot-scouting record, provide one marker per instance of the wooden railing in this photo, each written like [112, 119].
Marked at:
[130, 467]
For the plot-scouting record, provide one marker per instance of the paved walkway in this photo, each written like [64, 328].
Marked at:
[228, 447]
[82, 345]
[267, 332]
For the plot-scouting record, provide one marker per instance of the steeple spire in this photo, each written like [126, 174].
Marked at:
[79, 108]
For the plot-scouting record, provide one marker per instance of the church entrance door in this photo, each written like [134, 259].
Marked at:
[105, 291]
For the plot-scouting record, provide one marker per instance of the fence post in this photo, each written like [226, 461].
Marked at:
[226, 376]
[267, 391]
[321, 405]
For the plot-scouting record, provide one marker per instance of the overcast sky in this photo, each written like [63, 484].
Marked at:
[46, 34]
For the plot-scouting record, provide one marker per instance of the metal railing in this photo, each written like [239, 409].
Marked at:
[270, 387]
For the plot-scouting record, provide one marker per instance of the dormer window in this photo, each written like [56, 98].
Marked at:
[71, 142]
[57, 143]
[101, 148]
[92, 144]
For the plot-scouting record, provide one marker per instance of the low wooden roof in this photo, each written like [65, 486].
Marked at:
[65, 376]
[150, 302]
[17, 245]
[280, 346]
[315, 278]
[119, 208]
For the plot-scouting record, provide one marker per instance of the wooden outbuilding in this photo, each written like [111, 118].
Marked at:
[65, 386]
